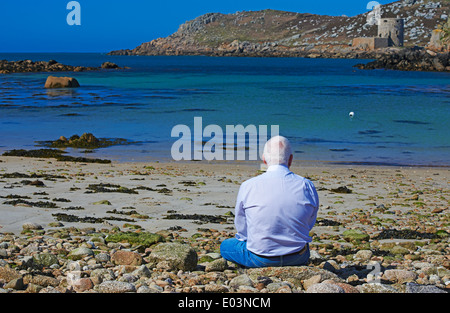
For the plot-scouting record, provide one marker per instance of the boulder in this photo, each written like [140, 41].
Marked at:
[31, 226]
[325, 288]
[355, 235]
[123, 257]
[83, 284]
[40, 280]
[103, 274]
[241, 280]
[218, 265]
[399, 276]
[363, 255]
[79, 253]
[173, 256]
[44, 260]
[417, 288]
[109, 65]
[7, 274]
[293, 274]
[61, 82]
[376, 288]
[112, 286]
[16, 284]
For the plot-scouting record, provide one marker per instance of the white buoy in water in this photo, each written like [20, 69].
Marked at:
[351, 114]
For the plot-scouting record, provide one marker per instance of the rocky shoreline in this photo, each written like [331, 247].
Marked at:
[407, 59]
[74, 260]
[29, 66]
[383, 232]
[414, 59]
[248, 49]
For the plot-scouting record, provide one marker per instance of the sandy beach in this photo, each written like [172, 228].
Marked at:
[390, 207]
[156, 190]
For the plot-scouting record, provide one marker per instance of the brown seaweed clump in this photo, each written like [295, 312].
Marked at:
[52, 153]
[85, 141]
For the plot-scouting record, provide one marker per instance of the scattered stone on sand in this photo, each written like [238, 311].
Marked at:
[380, 238]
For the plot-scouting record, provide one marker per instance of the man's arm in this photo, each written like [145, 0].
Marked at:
[240, 220]
[315, 203]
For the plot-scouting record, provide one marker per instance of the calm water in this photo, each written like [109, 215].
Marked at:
[400, 117]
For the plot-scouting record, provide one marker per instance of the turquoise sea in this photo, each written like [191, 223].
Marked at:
[400, 118]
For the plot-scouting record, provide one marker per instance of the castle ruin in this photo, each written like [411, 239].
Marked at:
[393, 29]
[390, 34]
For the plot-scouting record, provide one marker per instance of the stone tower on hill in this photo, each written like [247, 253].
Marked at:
[393, 29]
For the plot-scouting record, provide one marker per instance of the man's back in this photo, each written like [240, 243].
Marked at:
[275, 212]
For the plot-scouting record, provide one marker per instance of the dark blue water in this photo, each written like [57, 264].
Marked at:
[400, 117]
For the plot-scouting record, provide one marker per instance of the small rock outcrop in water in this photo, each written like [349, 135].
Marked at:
[109, 65]
[26, 66]
[29, 66]
[86, 141]
[61, 82]
[410, 60]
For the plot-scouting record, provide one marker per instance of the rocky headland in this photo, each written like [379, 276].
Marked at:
[271, 33]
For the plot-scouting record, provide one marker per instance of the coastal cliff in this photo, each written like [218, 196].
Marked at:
[271, 33]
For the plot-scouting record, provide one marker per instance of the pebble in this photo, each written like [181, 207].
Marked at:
[399, 276]
[81, 252]
[325, 288]
[376, 288]
[71, 264]
[31, 226]
[112, 286]
[218, 265]
[241, 280]
[123, 257]
[363, 255]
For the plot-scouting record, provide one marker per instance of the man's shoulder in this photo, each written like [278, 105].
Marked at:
[266, 176]
[254, 180]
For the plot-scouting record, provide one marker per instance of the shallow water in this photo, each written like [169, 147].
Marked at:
[400, 117]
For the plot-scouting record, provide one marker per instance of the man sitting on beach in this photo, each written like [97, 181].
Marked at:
[274, 214]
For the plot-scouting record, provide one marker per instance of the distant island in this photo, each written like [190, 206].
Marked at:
[272, 33]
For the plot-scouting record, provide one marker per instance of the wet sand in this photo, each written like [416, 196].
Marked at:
[378, 198]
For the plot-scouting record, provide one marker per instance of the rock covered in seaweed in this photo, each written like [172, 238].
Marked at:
[173, 256]
[85, 141]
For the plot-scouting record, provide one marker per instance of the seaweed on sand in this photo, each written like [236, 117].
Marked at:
[409, 234]
[11, 196]
[63, 217]
[342, 189]
[52, 153]
[33, 175]
[145, 239]
[200, 217]
[39, 204]
[327, 222]
[94, 188]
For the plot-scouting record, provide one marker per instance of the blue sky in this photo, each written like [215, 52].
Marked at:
[40, 26]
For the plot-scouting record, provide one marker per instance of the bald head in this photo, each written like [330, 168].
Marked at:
[278, 151]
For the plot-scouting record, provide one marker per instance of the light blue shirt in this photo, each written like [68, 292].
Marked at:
[275, 212]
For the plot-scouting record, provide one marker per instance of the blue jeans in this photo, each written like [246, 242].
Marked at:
[236, 251]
